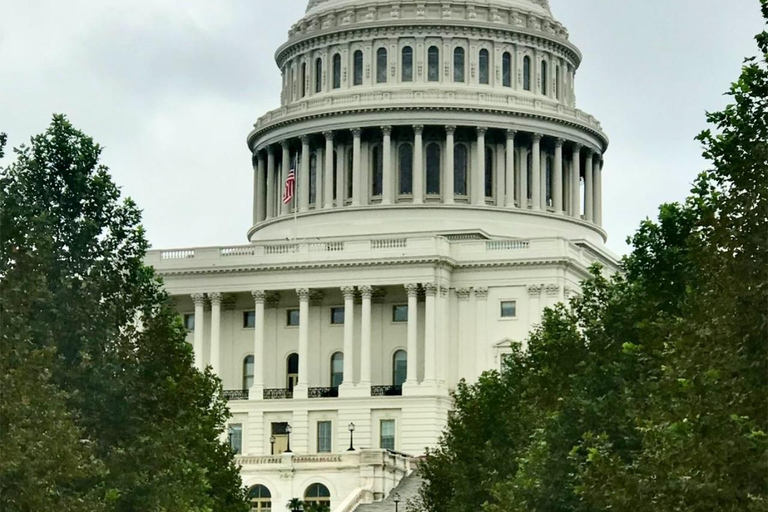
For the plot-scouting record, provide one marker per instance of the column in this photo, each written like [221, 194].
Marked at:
[598, 188]
[270, 183]
[510, 169]
[302, 386]
[557, 179]
[576, 182]
[543, 175]
[256, 188]
[413, 334]
[199, 299]
[524, 179]
[303, 178]
[365, 337]
[536, 174]
[589, 212]
[444, 336]
[449, 175]
[328, 181]
[215, 332]
[257, 391]
[480, 168]
[430, 338]
[465, 366]
[285, 209]
[349, 336]
[481, 328]
[319, 177]
[418, 164]
[356, 167]
[341, 189]
[388, 175]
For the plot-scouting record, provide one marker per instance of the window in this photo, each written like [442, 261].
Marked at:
[378, 170]
[460, 163]
[337, 71]
[303, 84]
[489, 172]
[399, 367]
[527, 73]
[407, 73]
[324, 429]
[544, 78]
[337, 316]
[458, 65]
[292, 371]
[317, 494]
[236, 438]
[406, 169]
[318, 75]
[387, 434]
[279, 432]
[433, 169]
[248, 372]
[292, 317]
[485, 71]
[381, 65]
[433, 64]
[508, 309]
[506, 67]
[400, 313]
[337, 369]
[260, 499]
[249, 319]
[313, 178]
[358, 68]
[189, 321]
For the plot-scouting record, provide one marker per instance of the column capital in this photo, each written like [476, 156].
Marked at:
[481, 293]
[450, 129]
[259, 296]
[590, 151]
[328, 135]
[348, 292]
[270, 150]
[577, 147]
[366, 291]
[412, 289]
[286, 144]
[559, 142]
[430, 289]
[198, 299]
[304, 140]
[537, 137]
[599, 156]
[215, 298]
[511, 134]
[463, 293]
[481, 130]
[356, 132]
[444, 291]
[418, 129]
[386, 130]
[303, 294]
[535, 290]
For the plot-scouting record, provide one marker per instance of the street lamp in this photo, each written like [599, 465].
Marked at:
[288, 431]
[351, 437]
[397, 501]
[272, 442]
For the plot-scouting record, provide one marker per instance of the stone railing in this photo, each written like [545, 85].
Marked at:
[277, 394]
[236, 394]
[386, 390]
[323, 392]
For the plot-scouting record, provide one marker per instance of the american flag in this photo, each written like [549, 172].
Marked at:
[290, 187]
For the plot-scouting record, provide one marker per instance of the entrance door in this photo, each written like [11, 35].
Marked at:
[292, 371]
[281, 437]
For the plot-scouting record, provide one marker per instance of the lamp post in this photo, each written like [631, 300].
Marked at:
[396, 497]
[351, 437]
[288, 431]
[272, 442]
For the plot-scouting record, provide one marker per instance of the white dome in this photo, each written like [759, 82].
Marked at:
[540, 7]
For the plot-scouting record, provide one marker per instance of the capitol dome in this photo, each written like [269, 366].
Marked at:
[538, 6]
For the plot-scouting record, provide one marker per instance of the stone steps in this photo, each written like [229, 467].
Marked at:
[407, 489]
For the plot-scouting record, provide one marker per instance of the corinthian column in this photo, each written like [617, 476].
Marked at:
[480, 168]
[215, 332]
[257, 391]
[349, 336]
[270, 183]
[588, 189]
[199, 299]
[557, 179]
[365, 337]
[304, 176]
[430, 339]
[448, 180]
[328, 181]
[510, 169]
[536, 175]
[388, 178]
[576, 182]
[598, 187]
[413, 340]
[418, 164]
[356, 170]
[302, 386]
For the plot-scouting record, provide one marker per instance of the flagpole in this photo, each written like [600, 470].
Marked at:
[295, 195]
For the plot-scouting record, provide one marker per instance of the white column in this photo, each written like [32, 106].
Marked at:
[543, 176]
[444, 336]
[328, 181]
[430, 338]
[256, 190]
[589, 212]
[270, 183]
[342, 173]
[303, 179]
[199, 299]
[557, 179]
[319, 177]
[349, 336]
[524, 179]
[536, 174]
[302, 387]
[284, 208]
[510, 169]
[418, 164]
[257, 391]
[215, 332]
[388, 172]
[598, 188]
[413, 333]
[356, 166]
[481, 327]
[365, 337]
[449, 166]
[465, 365]
[576, 182]
[480, 168]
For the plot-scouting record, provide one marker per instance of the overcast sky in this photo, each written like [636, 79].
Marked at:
[172, 87]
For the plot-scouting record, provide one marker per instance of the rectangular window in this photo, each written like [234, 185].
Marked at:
[387, 435]
[509, 309]
[324, 429]
[337, 316]
[292, 317]
[249, 319]
[399, 313]
[189, 321]
[236, 438]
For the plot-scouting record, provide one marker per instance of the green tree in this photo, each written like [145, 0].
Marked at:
[109, 353]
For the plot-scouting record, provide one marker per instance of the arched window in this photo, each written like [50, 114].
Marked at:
[458, 65]
[358, 68]
[399, 368]
[527, 73]
[318, 75]
[433, 64]
[350, 172]
[489, 172]
[337, 369]
[247, 372]
[549, 200]
[506, 69]
[407, 72]
[557, 82]
[292, 371]
[485, 67]
[260, 498]
[381, 65]
[433, 169]
[317, 494]
[377, 170]
[460, 164]
[544, 77]
[303, 84]
[337, 71]
[313, 179]
[406, 169]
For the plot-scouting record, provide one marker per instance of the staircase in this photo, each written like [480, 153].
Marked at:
[408, 489]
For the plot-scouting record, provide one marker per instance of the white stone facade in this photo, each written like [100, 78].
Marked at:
[447, 191]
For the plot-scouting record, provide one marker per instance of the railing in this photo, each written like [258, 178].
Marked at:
[327, 247]
[236, 394]
[507, 245]
[237, 251]
[277, 394]
[182, 254]
[281, 249]
[386, 390]
[396, 243]
[323, 392]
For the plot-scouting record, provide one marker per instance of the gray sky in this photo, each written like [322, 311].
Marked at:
[171, 88]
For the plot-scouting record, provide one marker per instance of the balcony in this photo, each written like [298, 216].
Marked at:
[278, 394]
[387, 391]
[323, 392]
[236, 394]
